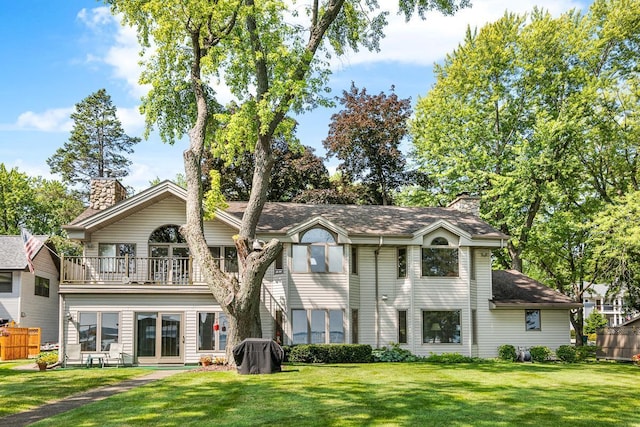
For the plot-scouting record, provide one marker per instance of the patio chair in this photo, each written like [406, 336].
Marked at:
[115, 354]
[72, 354]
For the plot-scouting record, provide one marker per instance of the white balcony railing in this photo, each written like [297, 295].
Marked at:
[135, 270]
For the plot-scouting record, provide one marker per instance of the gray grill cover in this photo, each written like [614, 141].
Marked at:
[258, 356]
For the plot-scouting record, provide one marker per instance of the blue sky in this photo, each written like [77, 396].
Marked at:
[56, 53]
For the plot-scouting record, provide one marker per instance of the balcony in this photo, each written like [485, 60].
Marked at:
[133, 270]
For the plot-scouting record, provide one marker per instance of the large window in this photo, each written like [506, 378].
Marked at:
[6, 282]
[98, 330]
[439, 259]
[112, 257]
[317, 253]
[212, 331]
[532, 320]
[42, 286]
[441, 327]
[317, 326]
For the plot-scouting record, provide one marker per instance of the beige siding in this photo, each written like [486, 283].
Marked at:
[128, 305]
[508, 327]
[41, 312]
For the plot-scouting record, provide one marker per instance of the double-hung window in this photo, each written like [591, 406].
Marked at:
[42, 286]
[6, 282]
[98, 330]
[317, 252]
[440, 259]
[212, 331]
[228, 257]
[317, 326]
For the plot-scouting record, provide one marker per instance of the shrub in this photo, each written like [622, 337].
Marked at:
[540, 353]
[451, 358]
[566, 353]
[330, 353]
[394, 353]
[47, 358]
[586, 352]
[507, 352]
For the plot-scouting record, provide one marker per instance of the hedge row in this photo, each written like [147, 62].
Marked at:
[329, 353]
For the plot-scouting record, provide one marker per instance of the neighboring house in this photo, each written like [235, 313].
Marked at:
[611, 306]
[29, 299]
[420, 277]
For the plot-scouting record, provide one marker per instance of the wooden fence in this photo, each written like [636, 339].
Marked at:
[19, 343]
[618, 343]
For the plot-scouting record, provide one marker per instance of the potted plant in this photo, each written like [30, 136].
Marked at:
[206, 360]
[46, 359]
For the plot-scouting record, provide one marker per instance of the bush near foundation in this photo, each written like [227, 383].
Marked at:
[330, 353]
[540, 353]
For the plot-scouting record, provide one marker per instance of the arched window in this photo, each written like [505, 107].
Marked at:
[317, 252]
[440, 259]
[167, 234]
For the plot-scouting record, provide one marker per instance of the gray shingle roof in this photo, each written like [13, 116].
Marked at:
[12, 255]
[512, 288]
[362, 220]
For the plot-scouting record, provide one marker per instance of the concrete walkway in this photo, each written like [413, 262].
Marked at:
[74, 401]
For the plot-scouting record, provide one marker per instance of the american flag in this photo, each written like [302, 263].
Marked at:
[31, 246]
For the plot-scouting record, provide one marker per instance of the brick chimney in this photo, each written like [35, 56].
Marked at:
[106, 192]
[464, 202]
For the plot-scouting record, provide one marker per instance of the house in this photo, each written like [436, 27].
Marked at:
[613, 307]
[29, 299]
[420, 277]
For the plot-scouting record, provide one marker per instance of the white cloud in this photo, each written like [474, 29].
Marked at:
[131, 119]
[53, 120]
[425, 42]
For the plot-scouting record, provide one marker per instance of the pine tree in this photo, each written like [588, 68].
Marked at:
[96, 145]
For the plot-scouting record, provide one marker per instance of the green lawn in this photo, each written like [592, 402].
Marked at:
[418, 394]
[21, 390]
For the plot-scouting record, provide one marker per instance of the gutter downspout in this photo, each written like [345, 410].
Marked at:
[376, 253]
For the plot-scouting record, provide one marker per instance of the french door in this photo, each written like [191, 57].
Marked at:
[169, 264]
[159, 337]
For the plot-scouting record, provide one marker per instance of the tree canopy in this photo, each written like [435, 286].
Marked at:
[96, 145]
[40, 205]
[366, 135]
[274, 60]
[539, 116]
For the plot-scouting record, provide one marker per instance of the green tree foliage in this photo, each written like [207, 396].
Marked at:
[539, 116]
[296, 170]
[594, 321]
[616, 239]
[366, 135]
[96, 144]
[40, 205]
[273, 68]
[17, 200]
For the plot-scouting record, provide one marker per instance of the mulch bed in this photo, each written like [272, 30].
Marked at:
[214, 368]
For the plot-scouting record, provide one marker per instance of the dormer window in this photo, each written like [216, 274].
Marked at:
[317, 252]
[440, 259]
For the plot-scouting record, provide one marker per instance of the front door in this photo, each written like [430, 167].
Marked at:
[159, 338]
